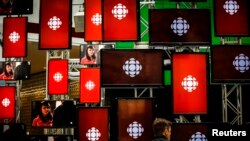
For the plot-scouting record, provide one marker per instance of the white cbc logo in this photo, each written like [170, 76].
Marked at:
[241, 63]
[54, 23]
[132, 67]
[119, 11]
[180, 26]
[14, 37]
[6, 102]
[90, 85]
[189, 83]
[198, 136]
[231, 6]
[135, 130]
[93, 134]
[96, 19]
[58, 77]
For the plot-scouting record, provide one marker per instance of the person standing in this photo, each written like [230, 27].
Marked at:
[162, 129]
[44, 117]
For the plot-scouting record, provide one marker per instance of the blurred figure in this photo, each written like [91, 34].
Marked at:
[162, 129]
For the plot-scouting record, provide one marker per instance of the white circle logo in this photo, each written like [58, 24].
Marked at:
[231, 7]
[189, 83]
[14, 37]
[58, 77]
[241, 63]
[90, 85]
[135, 130]
[119, 11]
[6, 102]
[54, 23]
[132, 67]
[180, 26]
[93, 134]
[198, 136]
[96, 19]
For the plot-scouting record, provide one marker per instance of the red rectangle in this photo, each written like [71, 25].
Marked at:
[15, 37]
[231, 18]
[135, 117]
[120, 20]
[90, 85]
[7, 102]
[93, 20]
[55, 24]
[93, 124]
[189, 77]
[58, 77]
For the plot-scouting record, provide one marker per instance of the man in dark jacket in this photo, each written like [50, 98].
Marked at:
[162, 129]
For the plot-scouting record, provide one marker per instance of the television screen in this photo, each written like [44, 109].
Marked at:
[231, 17]
[12, 132]
[134, 119]
[7, 105]
[18, 70]
[189, 132]
[49, 138]
[16, 7]
[132, 67]
[179, 26]
[54, 114]
[230, 63]
[90, 54]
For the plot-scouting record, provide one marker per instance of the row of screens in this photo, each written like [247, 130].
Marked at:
[15, 70]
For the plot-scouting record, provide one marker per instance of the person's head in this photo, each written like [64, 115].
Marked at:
[45, 111]
[8, 69]
[90, 53]
[162, 127]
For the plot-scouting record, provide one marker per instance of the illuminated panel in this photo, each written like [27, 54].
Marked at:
[55, 24]
[58, 77]
[90, 85]
[190, 132]
[120, 20]
[231, 17]
[230, 63]
[14, 37]
[135, 117]
[179, 26]
[141, 67]
[93, 20]
[7, 102]
[93, 124]
[189, 77]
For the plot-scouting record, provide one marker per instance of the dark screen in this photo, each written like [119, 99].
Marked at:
[16, 7]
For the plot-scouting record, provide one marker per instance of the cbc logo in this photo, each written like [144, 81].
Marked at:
[96, 19]
[241, 63]
[135, 130]
[132, 67]
[189, 83]
[54, 23]
[93, 134]
[90, 85]
[120, 11]
[58, 77]
[198, 136]
[14, 37]
[180, 26]
[231, 7]
[6, 102]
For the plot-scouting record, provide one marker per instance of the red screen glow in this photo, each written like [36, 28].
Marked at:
[93, 121]
[93, 20]
[189, 83]
[119, 26]
[231, 22]
[55, 24]
[90, 85]
[7, 102]
[14, 36]
[58, 77]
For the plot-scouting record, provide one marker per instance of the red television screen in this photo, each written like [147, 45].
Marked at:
[189, 81]
[121, 20]
[93, 124]
[131, 68]
[7, 102]
[179, 26]
[230, 63]
[15, 37]
[231, 17]
[53, 114]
